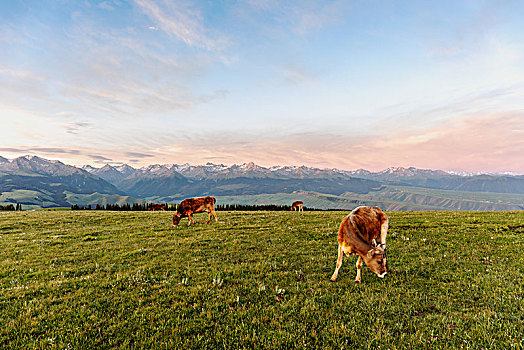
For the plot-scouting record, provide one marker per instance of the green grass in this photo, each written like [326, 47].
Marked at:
[87, 279]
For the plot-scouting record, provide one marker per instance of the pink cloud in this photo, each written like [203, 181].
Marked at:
[472, 143]
[481, 142]
[469, 143]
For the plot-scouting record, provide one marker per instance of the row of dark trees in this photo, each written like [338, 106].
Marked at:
[169, 207]
[172, 207]
[11, 207]
[248, 207]
[123, 207]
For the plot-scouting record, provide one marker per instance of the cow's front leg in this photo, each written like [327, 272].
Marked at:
[189, 219]
[339, 264]
[359, 269]
[208, 217]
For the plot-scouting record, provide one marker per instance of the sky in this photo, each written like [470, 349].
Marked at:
[329, 83]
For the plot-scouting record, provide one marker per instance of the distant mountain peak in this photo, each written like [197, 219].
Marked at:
[30, 164]
[411, 171]
[125, 169]
[31, 157]
[107, 167]
[88, 168]
[251, 166]
[154, 167]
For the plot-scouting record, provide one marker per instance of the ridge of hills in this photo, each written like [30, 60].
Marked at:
[38, 182]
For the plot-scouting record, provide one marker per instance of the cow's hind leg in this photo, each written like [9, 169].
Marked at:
[339, 264]
[359, 269]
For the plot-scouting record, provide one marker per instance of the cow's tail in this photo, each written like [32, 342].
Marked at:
[384, 231]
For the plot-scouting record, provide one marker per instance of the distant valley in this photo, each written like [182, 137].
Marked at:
[37, 182]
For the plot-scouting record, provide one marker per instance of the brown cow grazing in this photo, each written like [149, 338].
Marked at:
[189, 206]
[363, 232]
[157, 207]
[297, 205]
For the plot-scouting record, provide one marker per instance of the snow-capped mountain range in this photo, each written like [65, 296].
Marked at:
[60, 183]
[251, 169]
[115, 173]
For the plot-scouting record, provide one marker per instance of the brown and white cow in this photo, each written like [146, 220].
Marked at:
[189, 206]
[154, 207]
[363, 232]
[297, 205]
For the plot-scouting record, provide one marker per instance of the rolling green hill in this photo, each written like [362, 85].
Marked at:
[35, 182]
[390, 198]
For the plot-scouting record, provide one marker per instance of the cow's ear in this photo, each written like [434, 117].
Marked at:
[374, 243]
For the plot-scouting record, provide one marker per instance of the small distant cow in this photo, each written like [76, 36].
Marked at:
[297, 205]
[189, 206]
[157, 207]
[363, 232]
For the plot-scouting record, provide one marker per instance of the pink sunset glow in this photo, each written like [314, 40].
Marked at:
[325, 85]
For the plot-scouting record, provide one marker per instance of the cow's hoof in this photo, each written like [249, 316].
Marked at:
[332, 280]
[358, 281]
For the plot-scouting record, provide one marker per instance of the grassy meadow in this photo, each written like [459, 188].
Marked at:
[97, 279]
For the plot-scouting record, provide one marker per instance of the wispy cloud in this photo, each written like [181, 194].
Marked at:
[21, 87]
[468, 142]
[184, 22]
[75, 127]
[302, 17]
[11, 150]
[138, 155]
[41, 150]
[471, 34]
[121, 74]
[296, 75]
[68, 155]
[216, 95]
[98, 158]
[109, 5]
[409, 118]
[471, 142]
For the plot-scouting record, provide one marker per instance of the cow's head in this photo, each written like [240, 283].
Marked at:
[176, 219]
[375, 259]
